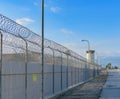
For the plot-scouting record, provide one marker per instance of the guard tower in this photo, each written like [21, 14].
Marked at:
[90, 56]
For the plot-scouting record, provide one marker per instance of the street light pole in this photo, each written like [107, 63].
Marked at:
[42, 30]
[88, 43]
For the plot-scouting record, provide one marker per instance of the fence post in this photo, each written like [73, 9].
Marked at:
[53, 61]
[61, 70]
[85, 71]
[72, 68]
[1, 64]
[26, 63]
[75, 70]
[67, 72]
[78, 67]
[53, 70]
[78, 72]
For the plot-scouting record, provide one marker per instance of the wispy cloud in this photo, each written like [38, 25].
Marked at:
[26, 9]
[55, 9]
[76, 47]
[35, 4]
[45, 5]
[110, 53]
[24, 21]
[66, 31]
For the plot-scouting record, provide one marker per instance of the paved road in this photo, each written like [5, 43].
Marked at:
[111, 89]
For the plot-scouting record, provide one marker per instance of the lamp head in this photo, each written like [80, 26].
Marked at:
[82, 40]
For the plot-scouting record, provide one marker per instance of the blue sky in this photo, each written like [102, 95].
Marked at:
[69, 21]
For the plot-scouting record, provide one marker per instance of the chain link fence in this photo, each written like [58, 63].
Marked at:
[21, 70]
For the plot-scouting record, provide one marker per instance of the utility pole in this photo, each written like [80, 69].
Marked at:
[42, 30]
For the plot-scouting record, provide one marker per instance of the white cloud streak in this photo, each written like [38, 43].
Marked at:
[24, 21]
[109, 53]
[66, 31]
[55, 9]
[81, 49]
[35, 3]
[45, 5]
[76, 48]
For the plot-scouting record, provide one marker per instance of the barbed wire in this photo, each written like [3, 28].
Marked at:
[12, 27]
[9, 26]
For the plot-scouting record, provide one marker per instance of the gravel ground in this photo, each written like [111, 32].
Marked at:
[88, 90]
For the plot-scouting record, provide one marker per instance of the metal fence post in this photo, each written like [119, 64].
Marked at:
[53, 69]
[53, 63]
[85, 71]
[78, 70]
[61, 70]
[72, 67]
[75, 70]
[1, 65]
[67, 72]
[26, 63]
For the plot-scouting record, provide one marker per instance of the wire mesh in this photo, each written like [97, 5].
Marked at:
[21, 64]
